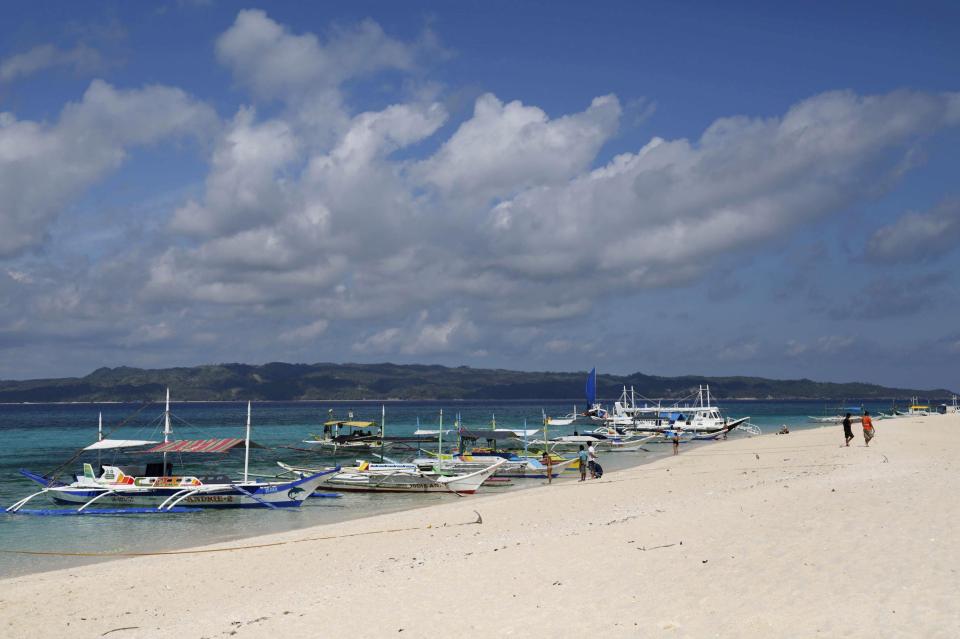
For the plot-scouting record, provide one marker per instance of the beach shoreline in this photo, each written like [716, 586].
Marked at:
[784, 534]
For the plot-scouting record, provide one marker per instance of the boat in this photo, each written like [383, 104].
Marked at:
[399, 478]
[839, 416]
[605, 443]
[151, 487]
[698, 414]
[347, 437]
[566, 420]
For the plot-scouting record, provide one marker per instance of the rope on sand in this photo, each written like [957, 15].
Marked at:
[199, 551]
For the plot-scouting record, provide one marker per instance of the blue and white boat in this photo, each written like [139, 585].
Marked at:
[152, 487]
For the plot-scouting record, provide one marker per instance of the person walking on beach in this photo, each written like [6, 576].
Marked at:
[592, 463]
[676, 442]
[847, 429]
[584, 458]
[547, 461]
[868, 431]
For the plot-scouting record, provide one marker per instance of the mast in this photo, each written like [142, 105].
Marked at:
[246, 451]
[440, 440]
[383, 427]
[99, 435]
[166, 429]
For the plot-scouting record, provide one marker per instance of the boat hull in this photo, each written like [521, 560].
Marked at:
[252, 495]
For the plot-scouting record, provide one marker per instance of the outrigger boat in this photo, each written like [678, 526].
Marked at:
[151, 487]
[629, 417]
[605, 443]
[566, 420]
[399, 478]
[347, 437]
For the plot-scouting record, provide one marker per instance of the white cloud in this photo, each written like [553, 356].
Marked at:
[660, 216]
[43, 166]
[246, 185]
[506, 147]
[81, 58]
[273, 62]
[917, 237]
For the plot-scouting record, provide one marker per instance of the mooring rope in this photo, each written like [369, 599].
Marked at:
[200, 551]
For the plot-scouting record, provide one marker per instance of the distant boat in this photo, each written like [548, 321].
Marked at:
[566, 420]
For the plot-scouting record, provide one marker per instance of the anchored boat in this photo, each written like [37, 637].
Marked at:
[152, 487]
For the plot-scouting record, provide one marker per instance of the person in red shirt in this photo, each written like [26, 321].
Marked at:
[868, 431]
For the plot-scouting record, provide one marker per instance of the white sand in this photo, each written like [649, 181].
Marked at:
[811, 539]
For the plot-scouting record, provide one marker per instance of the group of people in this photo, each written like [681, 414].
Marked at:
[866, 422]
[588, 463]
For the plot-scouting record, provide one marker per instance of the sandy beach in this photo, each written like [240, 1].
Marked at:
[774, 536]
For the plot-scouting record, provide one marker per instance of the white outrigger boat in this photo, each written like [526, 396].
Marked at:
[629, 417]
[151, 487]
[399, 478]
[601, 442]
[566, 420]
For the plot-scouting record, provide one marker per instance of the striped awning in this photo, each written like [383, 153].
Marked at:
[200, 446]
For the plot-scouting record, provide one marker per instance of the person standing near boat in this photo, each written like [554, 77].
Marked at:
[868, 431]
[547, 461]
[676, 442]
[584, 459]
[592, 463]
[847, 429]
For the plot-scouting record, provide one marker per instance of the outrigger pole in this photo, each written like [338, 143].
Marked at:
[166, 429]
[246, 452]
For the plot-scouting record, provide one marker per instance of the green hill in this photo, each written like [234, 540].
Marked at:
[278, 381]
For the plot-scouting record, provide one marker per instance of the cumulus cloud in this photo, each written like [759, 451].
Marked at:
[80, 59]
[506, 147]
[273, 62]
[43, 166]
[660, 215]
[507, 219]
[354, 220]
[917, 237]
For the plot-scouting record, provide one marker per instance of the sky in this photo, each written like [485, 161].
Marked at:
[664, 187]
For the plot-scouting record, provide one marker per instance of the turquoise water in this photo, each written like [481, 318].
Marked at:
[43, 436]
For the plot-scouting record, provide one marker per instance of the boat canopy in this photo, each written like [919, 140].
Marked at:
[110, 444]
[200, 446]
[489, 434]
[351, 424]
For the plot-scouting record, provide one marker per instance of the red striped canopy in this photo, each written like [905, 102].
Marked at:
[200, 446]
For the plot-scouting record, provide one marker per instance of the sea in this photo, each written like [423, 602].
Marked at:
[46, 437]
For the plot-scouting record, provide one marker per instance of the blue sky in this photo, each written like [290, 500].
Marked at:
[669, 188]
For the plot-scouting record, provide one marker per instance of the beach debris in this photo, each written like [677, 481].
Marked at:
[119, 629]
[644, 548]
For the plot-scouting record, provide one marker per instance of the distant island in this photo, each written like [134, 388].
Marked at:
[324, 381]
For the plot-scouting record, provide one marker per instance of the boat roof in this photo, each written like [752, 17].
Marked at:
[351, 424]
[110, 444]
[489, 434]
[200, 446]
